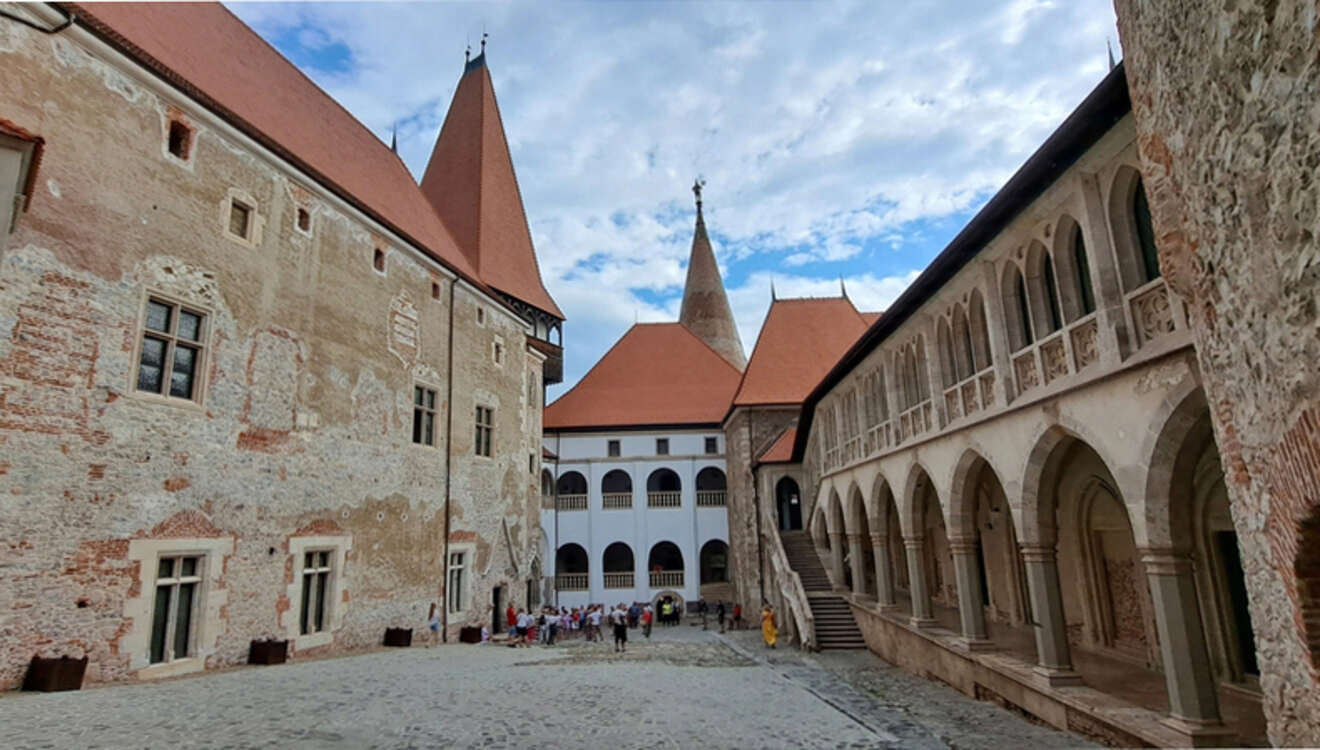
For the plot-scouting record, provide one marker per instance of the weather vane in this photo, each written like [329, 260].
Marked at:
[697, 185]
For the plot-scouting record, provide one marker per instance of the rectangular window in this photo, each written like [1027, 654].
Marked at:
[485, 426]
[240, 219]
[170, 362]
[178, 586]
[304, 220]
[612, 448]
[712, 445]
[499, 353]
[662, 446]
[531, 464]
[315, 592]
[423, 416]
[454, 591]
[179, 140]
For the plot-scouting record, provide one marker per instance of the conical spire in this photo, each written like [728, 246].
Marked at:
[705, 309]
[472, 186]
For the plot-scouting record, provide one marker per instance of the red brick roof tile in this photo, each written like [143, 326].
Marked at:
[471, 183]
[212, 55]
[781, 451]
[656, 374]
[800, 341]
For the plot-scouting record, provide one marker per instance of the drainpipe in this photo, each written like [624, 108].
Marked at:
[554, 495]
[449, 454]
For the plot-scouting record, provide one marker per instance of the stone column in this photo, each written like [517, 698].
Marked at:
[970, 596]
[856, 544]
[836, 561]
[1055, 661]
[921, 609]
[884, 585]
[1193, 700]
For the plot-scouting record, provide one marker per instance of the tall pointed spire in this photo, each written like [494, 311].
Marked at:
[394, 140]
[470, 182]
[705, 309]
[1110, 49]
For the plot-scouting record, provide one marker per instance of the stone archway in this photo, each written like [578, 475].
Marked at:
[788, 504]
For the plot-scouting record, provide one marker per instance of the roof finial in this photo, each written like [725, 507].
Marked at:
[467, 51]
[1110, 49]
[483, 39]
[772, 289]
[697, 185]
[842, 289]
[394, 139]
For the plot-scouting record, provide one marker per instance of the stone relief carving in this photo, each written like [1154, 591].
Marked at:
[1055, 359]
[1024, 366]
[1085, 350]
[1152, 313]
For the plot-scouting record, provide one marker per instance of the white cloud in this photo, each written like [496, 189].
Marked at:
[823, 129]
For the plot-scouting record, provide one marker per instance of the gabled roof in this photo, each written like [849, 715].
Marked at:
[471, 183]
[799, 341]
[656, 374]
[213, 57]
[871, 317]
[781, 451]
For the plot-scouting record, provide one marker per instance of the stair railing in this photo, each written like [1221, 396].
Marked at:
[789, 583]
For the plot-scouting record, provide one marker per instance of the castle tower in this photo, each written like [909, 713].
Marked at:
[705, 309]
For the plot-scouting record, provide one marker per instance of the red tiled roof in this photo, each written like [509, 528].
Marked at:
[548, 455]
[656, 374]
[215, 57]
[799, 342]
[871, 317]
[782, 449]
[471, 183]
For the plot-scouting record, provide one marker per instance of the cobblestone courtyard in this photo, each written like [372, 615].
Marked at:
[682, 688]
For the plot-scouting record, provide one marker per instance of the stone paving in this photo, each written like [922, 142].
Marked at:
[683, 687]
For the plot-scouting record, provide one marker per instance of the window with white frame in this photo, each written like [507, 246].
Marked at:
[485, 429]
[174, 613]
[171, 356]
[457, 579]
[314, 614]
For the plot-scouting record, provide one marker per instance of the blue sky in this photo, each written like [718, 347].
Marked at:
[845, 138]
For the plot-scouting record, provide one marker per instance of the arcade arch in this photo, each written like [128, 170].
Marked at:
[788, 504]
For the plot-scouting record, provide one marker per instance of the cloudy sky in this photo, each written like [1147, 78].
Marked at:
[847, 139]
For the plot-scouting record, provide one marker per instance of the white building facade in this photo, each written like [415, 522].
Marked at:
[635, 516]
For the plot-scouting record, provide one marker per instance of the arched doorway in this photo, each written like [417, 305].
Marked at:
[618, 565]
[714, 562]
[861, 560]
[788, 502]
[983, 519]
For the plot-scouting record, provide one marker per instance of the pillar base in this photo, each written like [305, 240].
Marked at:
[975, 644]
[887, 608]
[1055, 677]
[1202, 733]
[923, 622]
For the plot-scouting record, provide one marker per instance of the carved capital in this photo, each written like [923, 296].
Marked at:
[1166, 562]
[1038, 553]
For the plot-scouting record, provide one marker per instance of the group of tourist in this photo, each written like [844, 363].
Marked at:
[551, 624]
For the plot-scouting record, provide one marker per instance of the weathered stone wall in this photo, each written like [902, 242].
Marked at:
[304, 428]
[748, 432]
[1224, 97]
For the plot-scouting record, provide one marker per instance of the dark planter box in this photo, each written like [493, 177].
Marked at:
[268, 652]
[401, 637]
[51, 675]
[469, 635]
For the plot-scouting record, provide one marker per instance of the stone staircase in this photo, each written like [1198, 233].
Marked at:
[835, 626]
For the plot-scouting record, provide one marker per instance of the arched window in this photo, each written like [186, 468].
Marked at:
[980, 333]
[1017, 308]
[1085, 292]
[665, 556]
[920, 372]
[1054, 315]
[964, 355]
[710, 478]
[616, 481]
[618, 558]
[948, 361]
[547, 483]
[571, 558]
[572, 483]
[663, 480]
[1150, 258]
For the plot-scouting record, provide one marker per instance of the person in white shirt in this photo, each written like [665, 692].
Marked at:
[619, 619]
[593, 621]
[524, 626]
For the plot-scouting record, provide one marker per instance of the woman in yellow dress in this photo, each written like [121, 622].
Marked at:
[768, 630]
